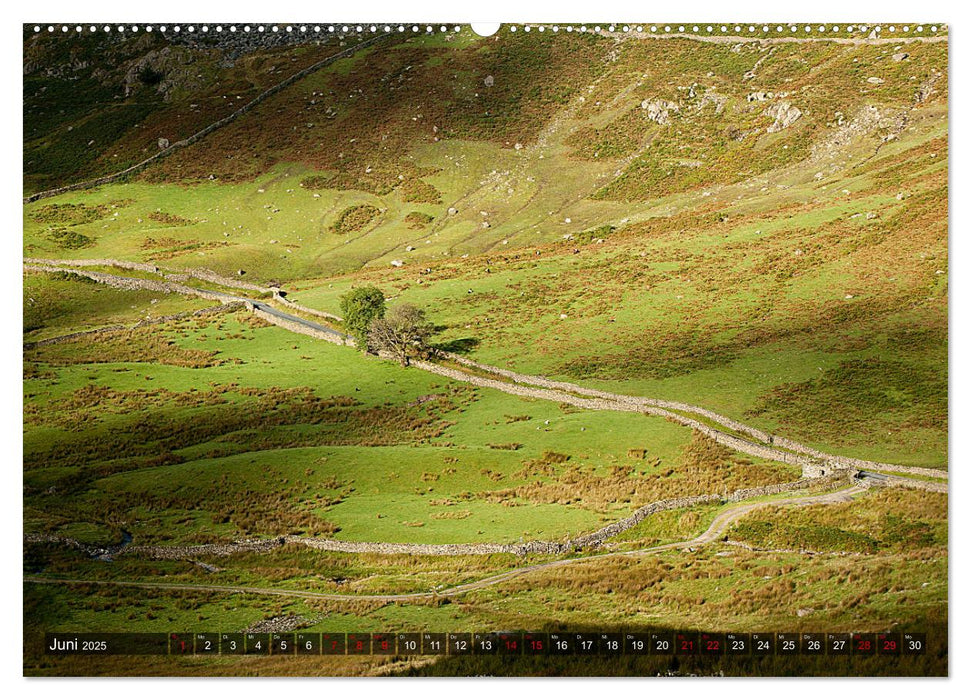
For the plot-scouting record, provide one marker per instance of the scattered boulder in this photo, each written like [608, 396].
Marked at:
[489, 81]
[714, 98]
[659, 111]
[452, 211]
[280, 623]
[901, 56]
[397, 263]
[163, 143]
[760, 96]
[873, 80]
[923, 92]
[784, 114]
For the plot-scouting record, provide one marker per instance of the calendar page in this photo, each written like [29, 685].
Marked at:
[397, 349]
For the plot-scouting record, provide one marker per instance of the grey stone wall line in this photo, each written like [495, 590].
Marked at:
[184, 275]
[136, 283]
[42, 538]
[178, 145]
[95, 262]
[215, 278]
[815, 463]
[934, 486]
[294, 327]
[760, 435]
[179, 275]
[779, 448]
[592, 540]
[277, 297]
[68, 337]
[601, 404]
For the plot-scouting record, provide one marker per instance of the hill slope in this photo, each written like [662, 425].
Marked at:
[756, 226]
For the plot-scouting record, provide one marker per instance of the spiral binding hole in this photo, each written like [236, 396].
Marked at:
[768, 30]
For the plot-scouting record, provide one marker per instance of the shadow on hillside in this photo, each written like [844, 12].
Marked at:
[459, 346]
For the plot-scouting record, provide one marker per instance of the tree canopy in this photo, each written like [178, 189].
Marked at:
[403, 333]
[360, 307]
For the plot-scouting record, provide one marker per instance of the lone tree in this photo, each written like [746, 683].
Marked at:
[361, 307]
[403, 333]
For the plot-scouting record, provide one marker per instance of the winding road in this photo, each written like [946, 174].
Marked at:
[729, 432]
[717, 528]
[755, 442]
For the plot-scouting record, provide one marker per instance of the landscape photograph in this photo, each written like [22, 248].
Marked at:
[569, 350]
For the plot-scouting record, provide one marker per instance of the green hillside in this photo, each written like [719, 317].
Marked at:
[754, 227]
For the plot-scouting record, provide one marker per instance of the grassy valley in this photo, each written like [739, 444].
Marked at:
[755, 227]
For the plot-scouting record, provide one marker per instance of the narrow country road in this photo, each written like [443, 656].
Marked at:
[266, 308]
[729, 432]
[717, 528]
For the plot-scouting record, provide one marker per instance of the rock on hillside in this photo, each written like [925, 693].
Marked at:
[784, 114]
[658, 110]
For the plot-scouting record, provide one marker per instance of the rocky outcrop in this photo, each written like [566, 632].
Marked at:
[164, 70]
[713, 98]
[659, 111]
[784, 113]
[138, 167]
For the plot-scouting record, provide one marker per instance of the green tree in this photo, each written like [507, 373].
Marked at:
[403, 333]
[360, 307]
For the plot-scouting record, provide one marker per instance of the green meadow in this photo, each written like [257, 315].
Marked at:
[756, 228]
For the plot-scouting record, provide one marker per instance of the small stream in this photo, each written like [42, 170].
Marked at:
[109, 553]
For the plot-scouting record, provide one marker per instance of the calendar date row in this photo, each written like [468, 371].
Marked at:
[500, 643]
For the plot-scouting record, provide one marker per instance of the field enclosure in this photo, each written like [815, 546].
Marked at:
[678, 317]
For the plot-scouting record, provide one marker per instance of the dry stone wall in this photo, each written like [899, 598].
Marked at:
[601, 404]
[825, 462]
[293, 326]
[215, 278]
[814, 464]
[94, 262]
[178, 145]
[136, 283]
[277, 297]
[590, 541]
[935, 486]
[68, 337]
